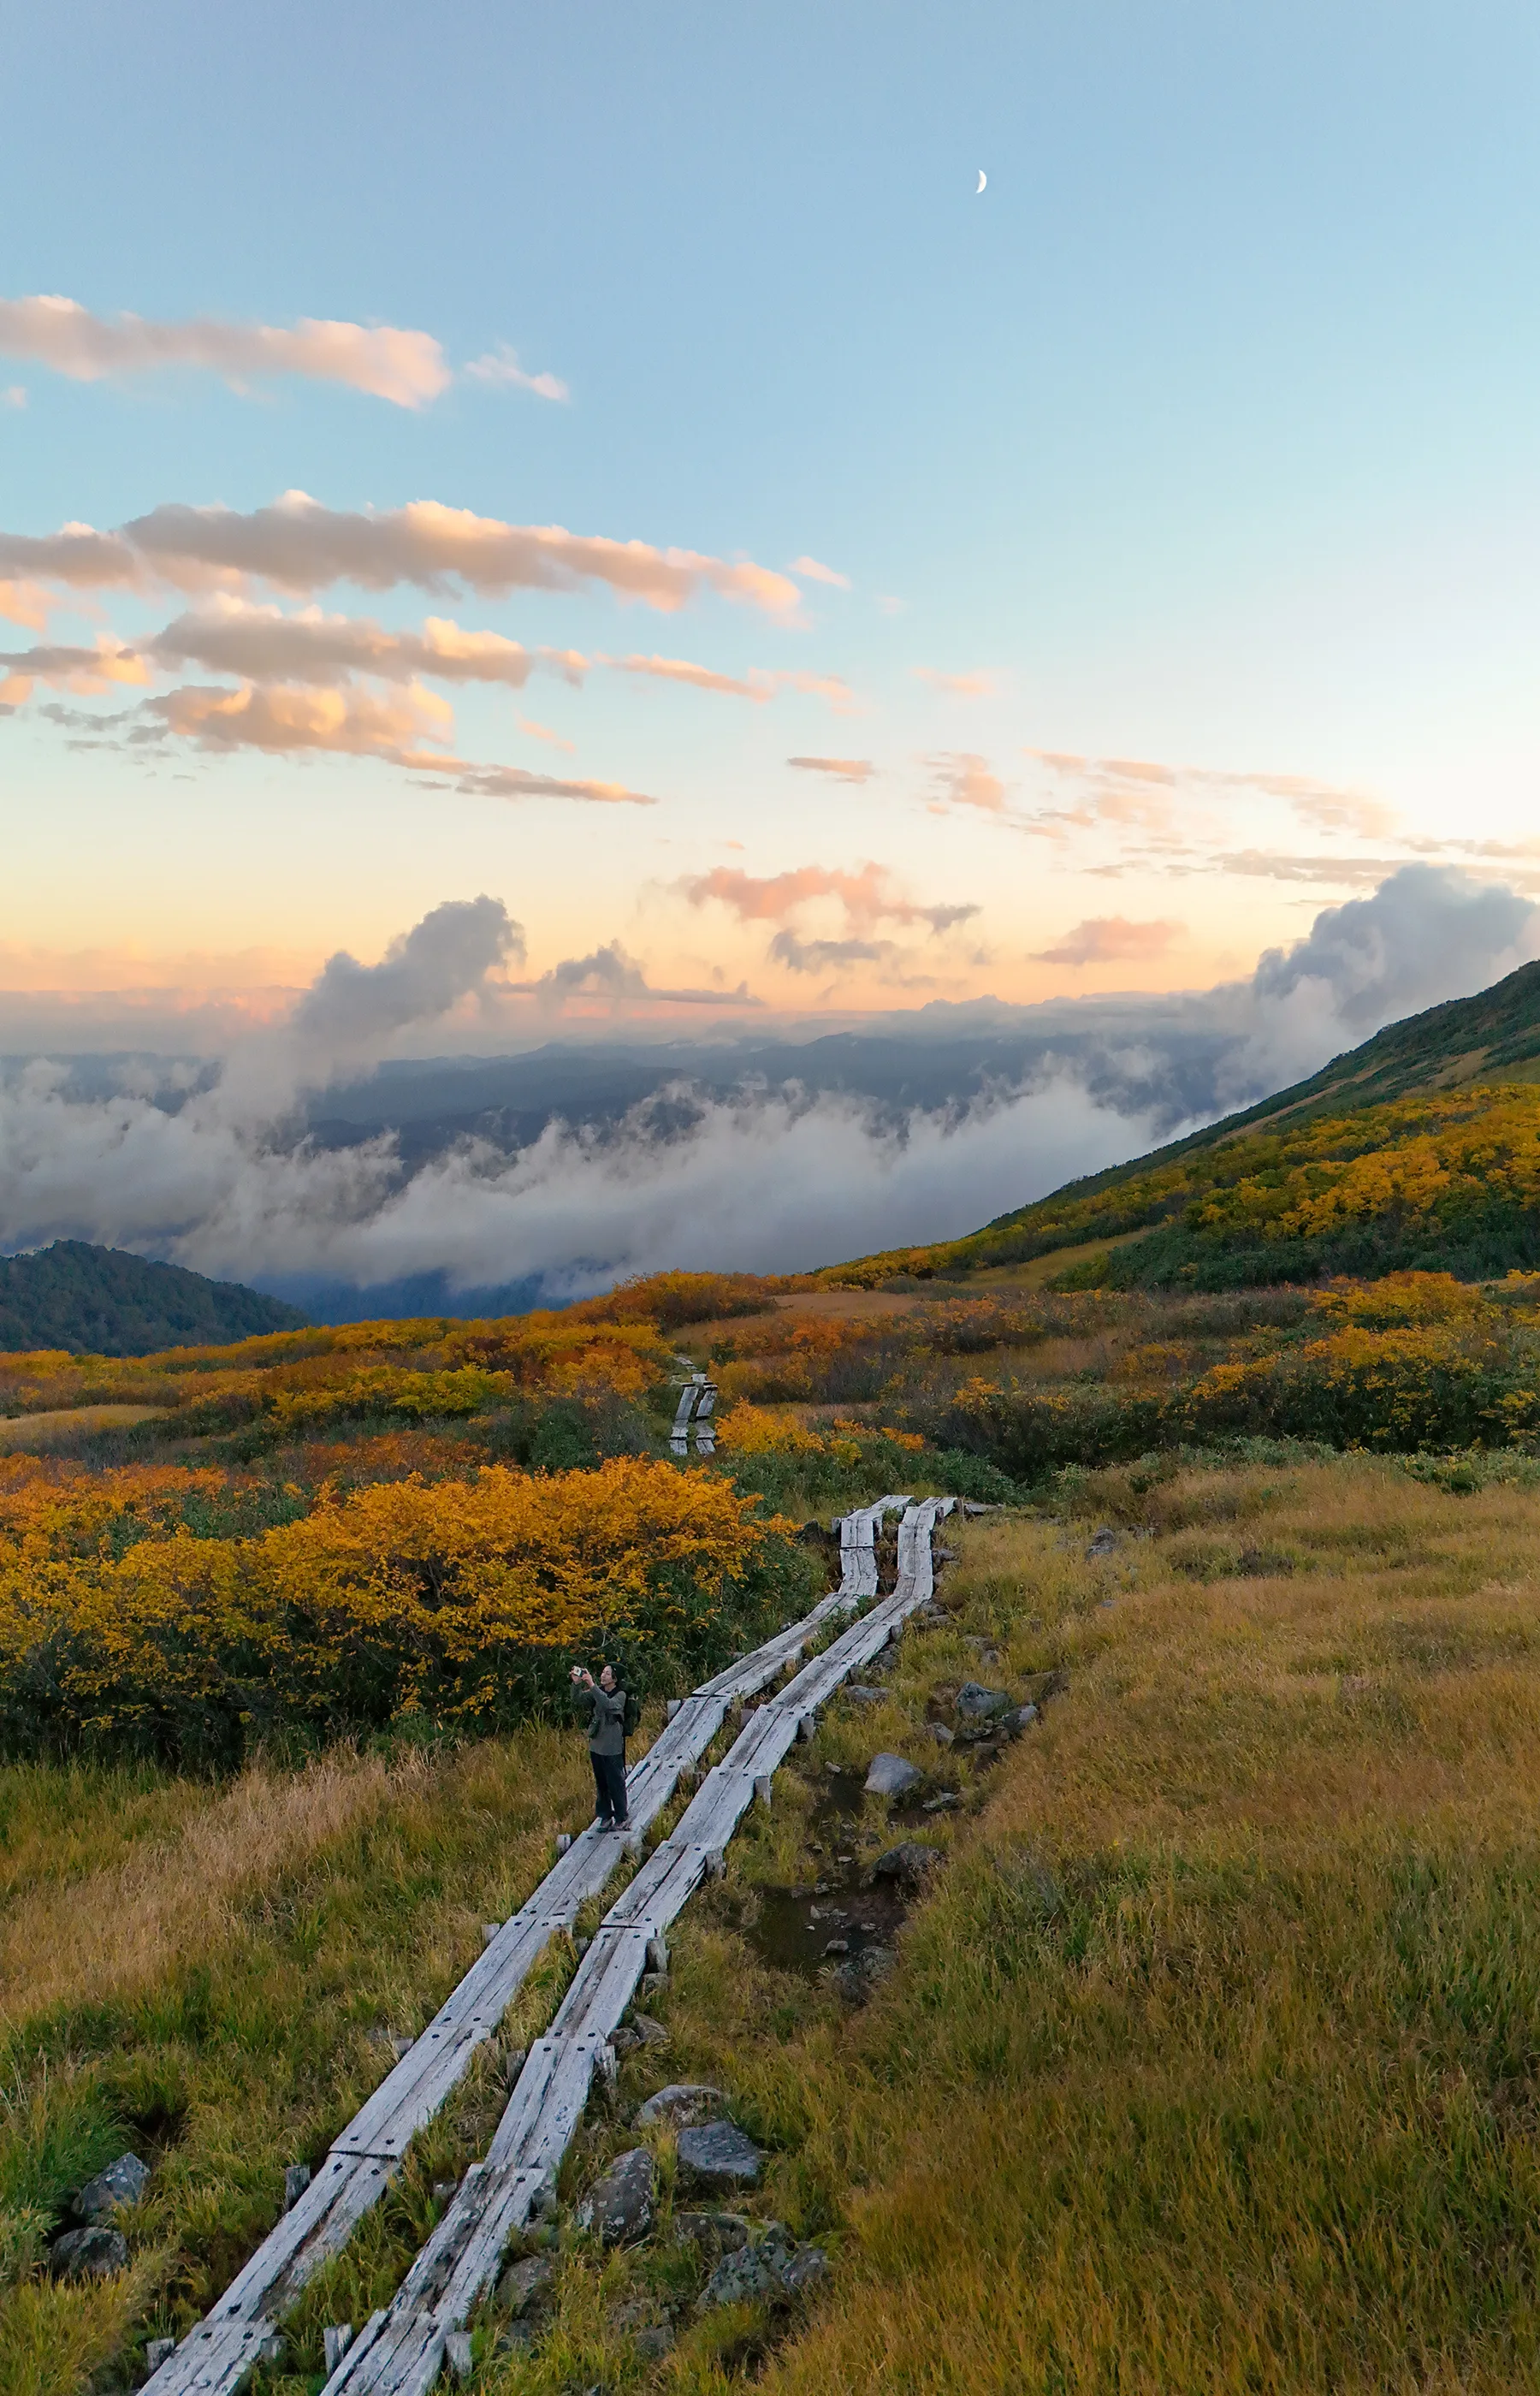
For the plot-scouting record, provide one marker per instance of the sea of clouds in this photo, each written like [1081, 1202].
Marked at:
[224, 1175]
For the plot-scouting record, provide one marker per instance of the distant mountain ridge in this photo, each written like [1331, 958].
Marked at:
[1277, 1191]
[106, 1302]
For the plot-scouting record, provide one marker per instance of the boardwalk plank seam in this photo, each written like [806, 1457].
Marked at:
[403, 2349]
[217, 2356]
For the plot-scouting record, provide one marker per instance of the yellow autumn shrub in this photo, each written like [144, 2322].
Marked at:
[463, 1600]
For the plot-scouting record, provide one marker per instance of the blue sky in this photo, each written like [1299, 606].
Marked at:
[1206, 438]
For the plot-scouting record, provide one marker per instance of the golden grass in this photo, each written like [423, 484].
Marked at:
[33, 1433]
[1214, 2065]
[76, 1940]
[211, 1975]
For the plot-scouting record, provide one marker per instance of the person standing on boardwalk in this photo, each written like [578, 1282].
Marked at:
[607, 1709]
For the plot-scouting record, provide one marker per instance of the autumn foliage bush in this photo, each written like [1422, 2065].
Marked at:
[459, 1601]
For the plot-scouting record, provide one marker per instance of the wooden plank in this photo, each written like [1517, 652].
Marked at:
[545, 2108]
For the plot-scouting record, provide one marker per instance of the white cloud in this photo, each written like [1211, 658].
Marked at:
[812, 570]
[842, 769]
[500, 366]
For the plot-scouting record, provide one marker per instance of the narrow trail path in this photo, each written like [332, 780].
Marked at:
[401, 2351]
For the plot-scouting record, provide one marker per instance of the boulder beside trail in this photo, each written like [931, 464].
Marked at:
[681, 2102]
[718, 2154]
[771, 2269]
[725, 2231]
[94, 2254]
[122, 2183]
[527, 2285]
[909, 1863]
[855, 1980]
[890, 1776]
[977, 1703]
[621, 2205]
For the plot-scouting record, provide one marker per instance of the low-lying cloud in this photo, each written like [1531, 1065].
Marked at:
[763, 1178]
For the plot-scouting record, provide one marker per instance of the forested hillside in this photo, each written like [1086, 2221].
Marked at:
[105, 1302]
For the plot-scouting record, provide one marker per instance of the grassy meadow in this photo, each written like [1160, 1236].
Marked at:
[1207, 2054]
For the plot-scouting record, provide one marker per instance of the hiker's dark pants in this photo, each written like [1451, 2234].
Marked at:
[609, 1781]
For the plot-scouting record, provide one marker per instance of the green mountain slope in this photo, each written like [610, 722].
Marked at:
[1421, 1149]
[105, 1302]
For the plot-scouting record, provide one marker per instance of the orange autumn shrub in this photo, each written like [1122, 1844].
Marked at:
[457, 1601]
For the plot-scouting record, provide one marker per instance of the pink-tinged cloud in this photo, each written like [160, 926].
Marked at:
[411, 728]
[85, 672]
[964, 779]
[956, 686]
[228, 635]
[501, 368]
[299, 545]
[14, 395]
[513, 782]
[757, 687]
[404, 368]
[543, 732]
[867, 897]
[812, 570]
[282, 719]
[842, 769]
[1107, 939]
[232, 635]
[1328, 806]
[26, 603]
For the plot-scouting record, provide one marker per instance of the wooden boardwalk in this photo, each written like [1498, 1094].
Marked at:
[403, 2348]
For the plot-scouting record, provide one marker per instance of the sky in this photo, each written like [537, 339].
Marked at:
[617, 462]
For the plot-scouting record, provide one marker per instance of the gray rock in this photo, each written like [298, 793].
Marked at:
[723, 2232]
[525, 2286]
[652, 1984]
[865, 1697]
[1102, 1542]
[655, 2341]
[623, 2204]
[158, 2350]
[624, 2040]
[748, 2276]
[977, 1703]
[121, 2183]
[650, 2032]
[837, 1947]
[93, 2254]
[803, 2270]
[941, 1734]
[682, 2101]
[517, 2338]
[771, 2270]
[942, 1804]
[891, 1776]
[855, 1980]
[719, 2155]
[909, 1863]
[1019, 1719]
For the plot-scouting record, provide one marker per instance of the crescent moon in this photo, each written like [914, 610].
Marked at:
[983, 178]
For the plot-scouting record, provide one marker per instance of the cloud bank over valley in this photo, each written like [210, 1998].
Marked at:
[313, 1164]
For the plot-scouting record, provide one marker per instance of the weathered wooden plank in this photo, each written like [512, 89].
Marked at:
[390, 2358]
[544, 2109]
